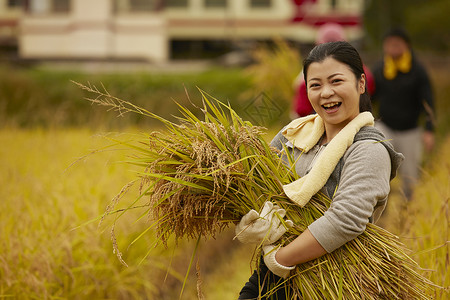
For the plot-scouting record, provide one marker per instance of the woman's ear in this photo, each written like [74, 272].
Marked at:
[362, 84]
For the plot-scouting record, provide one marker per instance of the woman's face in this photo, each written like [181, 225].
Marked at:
[334, 92]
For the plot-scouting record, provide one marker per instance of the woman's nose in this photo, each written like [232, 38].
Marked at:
[327, 91]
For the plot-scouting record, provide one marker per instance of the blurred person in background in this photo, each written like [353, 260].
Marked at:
[329, 32]
[404, 92]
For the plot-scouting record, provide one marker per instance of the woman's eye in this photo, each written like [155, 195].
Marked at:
[314, 85]
[337, 80]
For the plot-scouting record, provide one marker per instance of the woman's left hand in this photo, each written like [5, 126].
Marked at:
[276, 268]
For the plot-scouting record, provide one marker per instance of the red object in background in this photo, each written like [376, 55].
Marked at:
[299, 13]
[301, 16]
[370, 81]
[341, 20]
[300, 2]
[302, 106]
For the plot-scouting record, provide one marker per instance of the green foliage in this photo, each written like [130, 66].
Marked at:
[429, 24]
[440, 79]
[48, 98]
[426, 21]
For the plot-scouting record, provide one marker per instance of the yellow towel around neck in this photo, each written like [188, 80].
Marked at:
[304, 133]
[393, 66]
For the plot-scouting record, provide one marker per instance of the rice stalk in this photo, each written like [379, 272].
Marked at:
[200, 176]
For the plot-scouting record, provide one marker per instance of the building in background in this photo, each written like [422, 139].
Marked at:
[10, 13]
[158, 30]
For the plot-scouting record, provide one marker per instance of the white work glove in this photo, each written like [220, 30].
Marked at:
[272, 264]
[263, 228]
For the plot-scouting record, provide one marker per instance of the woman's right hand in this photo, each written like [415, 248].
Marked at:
[263, 228]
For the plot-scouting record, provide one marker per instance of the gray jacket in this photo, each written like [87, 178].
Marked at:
[359, 185]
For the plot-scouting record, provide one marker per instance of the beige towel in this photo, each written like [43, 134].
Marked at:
[304, 133]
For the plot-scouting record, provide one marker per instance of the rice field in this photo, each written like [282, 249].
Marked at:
[424, 223]
[52, 245]
[47, 251]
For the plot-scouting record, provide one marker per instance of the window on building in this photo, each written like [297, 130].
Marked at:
[15, 3]
[127, 6]
[215, 3]
[143, 5]
[260, 3]
[62, 6]
[176, 3]
[199, 49]
[47, 6]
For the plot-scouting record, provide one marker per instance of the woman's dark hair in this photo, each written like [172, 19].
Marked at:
[400, 33]
[345, 53]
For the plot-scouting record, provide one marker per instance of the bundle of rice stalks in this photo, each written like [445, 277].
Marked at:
[200, 176]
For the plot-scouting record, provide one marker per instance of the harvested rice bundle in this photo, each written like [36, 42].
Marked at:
[201, 176]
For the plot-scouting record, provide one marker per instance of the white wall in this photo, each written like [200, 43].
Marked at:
[91, 30]
[141, 37]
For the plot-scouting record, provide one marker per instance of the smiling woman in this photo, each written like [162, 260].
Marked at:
[336, 77]
[329, 152]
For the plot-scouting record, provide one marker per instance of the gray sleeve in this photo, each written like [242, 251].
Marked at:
[364, 182]
[278, 141]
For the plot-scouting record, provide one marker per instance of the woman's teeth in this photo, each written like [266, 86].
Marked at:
[330, 105]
